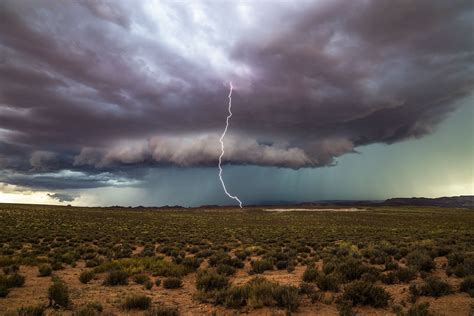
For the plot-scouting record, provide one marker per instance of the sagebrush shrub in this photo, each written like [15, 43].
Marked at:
[161, 310]
[467, 285]
[91, 309]
[419, 310]
[86, 276]
[141, 278]
[31, 311]
[4, 290]
[209, 280]
[260, 266]
[421, 260]
[435, 287]
[140, 302]
[58, 294]
[287, 296]
[366, 293]
[44, 269]
[172, 283]
[328, 282]
[116, 277]
[311, 274]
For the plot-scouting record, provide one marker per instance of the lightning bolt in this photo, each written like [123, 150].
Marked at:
[222, 148]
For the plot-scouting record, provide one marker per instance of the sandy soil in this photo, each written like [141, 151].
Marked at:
[353, 209]
[34, 292]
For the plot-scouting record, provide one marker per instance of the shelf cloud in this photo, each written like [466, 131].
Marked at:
[110, 88]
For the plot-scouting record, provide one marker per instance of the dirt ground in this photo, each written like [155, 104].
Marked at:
[34, 292]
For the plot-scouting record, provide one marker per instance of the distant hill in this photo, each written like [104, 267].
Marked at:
[452, 201]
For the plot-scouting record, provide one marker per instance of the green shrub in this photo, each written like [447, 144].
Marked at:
[162, 311]
[287, 296]
[148, 285]
[14, 280]
[86, 276]
[366, 293]
[328, 282]
[31, 311]
[282, 264]
[116, 277]
[261, 292]
[235, 297]
[91, 309]
[307, 288]
[158, 282]
[13, 268]
[225, 269]
[435, 287]
[4, 290]
[345, 308]
[405, 274]
[391, 265]
[58, 294]
[419, 310]
[260, 266]
[141, 302]
[413, 293]
[390, 278]
[172, 283]
[209, 280]
[44, 270]
[141, 278]
[420, 260]
[193, 263]
[455, 258]
[351, 269]
[467, 285]
[311, 274]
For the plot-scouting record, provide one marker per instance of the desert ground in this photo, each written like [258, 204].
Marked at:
[226, 261]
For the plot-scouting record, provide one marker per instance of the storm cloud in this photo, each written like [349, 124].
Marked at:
[92, 91]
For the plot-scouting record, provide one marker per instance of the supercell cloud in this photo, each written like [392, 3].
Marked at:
[94, 92]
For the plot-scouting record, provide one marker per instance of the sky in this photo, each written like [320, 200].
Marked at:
[123, 102]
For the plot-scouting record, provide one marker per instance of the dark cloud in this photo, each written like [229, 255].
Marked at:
[106, 87]
[62, 197]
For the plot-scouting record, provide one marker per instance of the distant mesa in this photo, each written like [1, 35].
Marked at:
[452, 201]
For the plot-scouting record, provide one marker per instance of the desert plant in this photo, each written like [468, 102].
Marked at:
[116, 277]
[14, 280]
[4, 290]
[172, 283]
[140, 302]
[405, 274]
[161, 310]
[225, 269]
[366, 293]
[328, 282]
[435, 287]
[419, 310]
[311, 274]
[260, 266]
[467, 285]
[58, 294]
[44, 269]
[86, 276]
[287, 296]
[30, 311]
[148, 285]
[421, 260]
[91, 309]
[141, 278]
[209, 280]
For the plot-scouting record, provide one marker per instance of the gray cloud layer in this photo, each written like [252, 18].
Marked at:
[110, 87]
